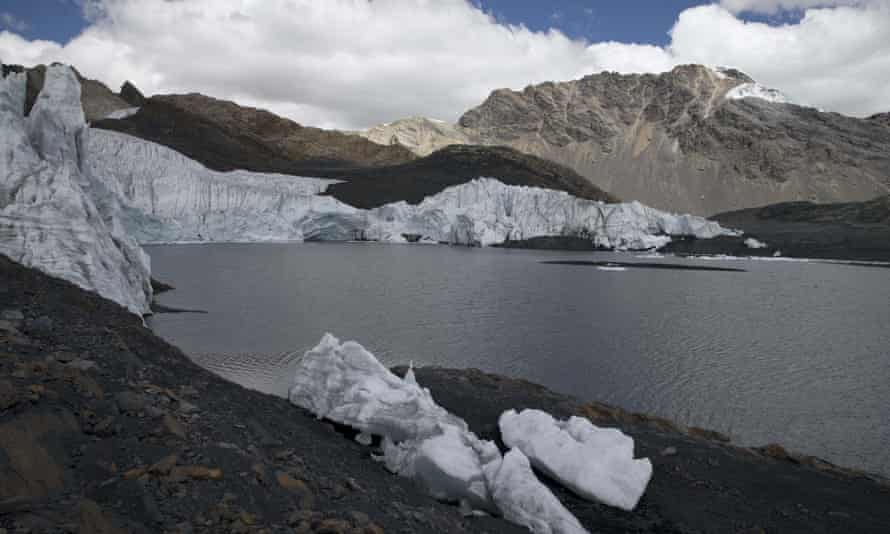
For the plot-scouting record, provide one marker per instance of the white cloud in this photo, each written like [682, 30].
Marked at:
[353, 63]
[10, 21]
[837, 59]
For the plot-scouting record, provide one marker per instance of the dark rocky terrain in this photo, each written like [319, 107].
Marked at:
[454, 165]
[850, 230]
[105, 428]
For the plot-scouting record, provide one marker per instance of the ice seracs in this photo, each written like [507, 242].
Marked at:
[595, 463]
[171, 198]
[53, 213]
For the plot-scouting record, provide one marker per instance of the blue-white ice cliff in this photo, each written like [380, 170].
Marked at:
[53, 215]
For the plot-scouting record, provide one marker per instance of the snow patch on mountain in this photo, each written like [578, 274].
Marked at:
[55, 215]
[123, 113]
[755, 90]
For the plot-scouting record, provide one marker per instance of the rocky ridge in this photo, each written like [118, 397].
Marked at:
[681, 141]
[225, 136]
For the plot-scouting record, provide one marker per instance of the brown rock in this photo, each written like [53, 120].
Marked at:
[164, 465]
[334, 526]
[297, 487]
[171, 425]
[197, 472]
[136, 472]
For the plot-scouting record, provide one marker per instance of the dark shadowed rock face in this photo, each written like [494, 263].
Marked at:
[881, 118]
[675, 142]
[455, 165]
[848, 230]
[229, 136]
[131, 94]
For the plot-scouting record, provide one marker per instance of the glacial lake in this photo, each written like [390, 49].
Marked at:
[796, 353]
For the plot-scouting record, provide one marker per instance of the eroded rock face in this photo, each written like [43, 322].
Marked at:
[686, 140]
[674, 141]
[420, 135]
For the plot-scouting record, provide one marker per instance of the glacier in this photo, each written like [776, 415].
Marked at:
[53, 213]
[171, 198]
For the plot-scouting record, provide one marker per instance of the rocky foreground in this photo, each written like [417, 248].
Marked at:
[106, 428]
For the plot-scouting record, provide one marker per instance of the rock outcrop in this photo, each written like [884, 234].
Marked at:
[420, 135]
[693, 140]
[131, 94]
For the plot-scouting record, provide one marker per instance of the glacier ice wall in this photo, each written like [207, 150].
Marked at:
[53, 215]
[171, 198]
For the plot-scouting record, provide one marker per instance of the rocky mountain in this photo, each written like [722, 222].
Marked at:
[420, 135]
[694, 139]
[224, 136]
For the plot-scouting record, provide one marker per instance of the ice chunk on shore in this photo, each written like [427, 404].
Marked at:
[524, 500]
[596, 463]
[345, 383]
[753, 243]
[448, 465]
[421, 440]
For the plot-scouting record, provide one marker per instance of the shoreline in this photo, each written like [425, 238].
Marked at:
[107, 426]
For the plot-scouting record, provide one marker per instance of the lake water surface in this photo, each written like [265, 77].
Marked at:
[789, 352]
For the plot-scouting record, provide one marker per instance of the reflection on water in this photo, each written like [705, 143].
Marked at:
[790, 352]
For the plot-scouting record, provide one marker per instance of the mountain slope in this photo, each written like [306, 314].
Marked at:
[224, 136]
[694, 139]
[420, 135]
[676, 141]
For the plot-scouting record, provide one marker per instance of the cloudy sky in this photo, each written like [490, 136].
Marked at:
[355, 63]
